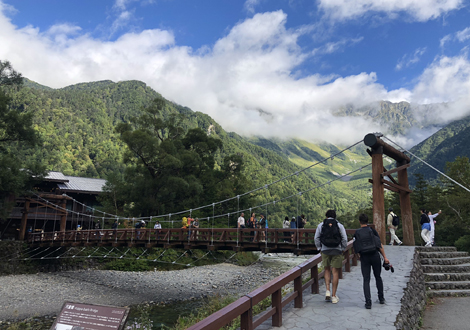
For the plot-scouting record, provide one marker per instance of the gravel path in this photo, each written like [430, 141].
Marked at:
[23, 296]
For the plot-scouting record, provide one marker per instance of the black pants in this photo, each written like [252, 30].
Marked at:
[368, 261]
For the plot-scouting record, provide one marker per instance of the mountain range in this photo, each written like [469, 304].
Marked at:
[77, 123]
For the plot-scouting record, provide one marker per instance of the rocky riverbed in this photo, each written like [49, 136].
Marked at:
[24, 296]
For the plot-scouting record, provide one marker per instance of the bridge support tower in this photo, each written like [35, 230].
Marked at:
[383, 179]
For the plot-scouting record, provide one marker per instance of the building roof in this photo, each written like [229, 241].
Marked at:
[55, 177]
[84, 185]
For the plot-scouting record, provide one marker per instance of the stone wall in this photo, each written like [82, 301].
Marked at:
[414, 298]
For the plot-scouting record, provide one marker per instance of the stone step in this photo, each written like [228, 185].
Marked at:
[451, 285]
[442, 254]
[448, 293]
[435, 277]
[445, 261]
[436, 248]
[462, 268]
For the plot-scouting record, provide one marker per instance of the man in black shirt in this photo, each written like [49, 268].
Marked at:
[369, 259]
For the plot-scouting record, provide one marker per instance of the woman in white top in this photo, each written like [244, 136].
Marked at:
[286, 225]
[431, 222]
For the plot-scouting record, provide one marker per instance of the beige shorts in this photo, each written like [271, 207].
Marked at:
[333, 261]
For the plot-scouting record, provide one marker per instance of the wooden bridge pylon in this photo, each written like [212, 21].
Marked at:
[379, 181]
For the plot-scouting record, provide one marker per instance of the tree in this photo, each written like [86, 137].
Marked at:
[16, 132]
[169, 168]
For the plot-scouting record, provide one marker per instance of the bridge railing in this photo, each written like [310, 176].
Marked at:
[243, 307]
[180, 235]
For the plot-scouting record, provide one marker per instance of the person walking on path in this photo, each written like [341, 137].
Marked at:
[331, 240]
[432, 222]
[425, 227]
[392, 228]
[367, 245]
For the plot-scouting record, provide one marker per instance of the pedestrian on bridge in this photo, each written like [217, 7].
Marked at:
[241, 221]
[286, 225]
[158, 229]
[331, 240]
[263, 224]
[293, 225]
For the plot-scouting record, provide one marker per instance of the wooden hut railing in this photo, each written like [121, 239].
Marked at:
[243, 307]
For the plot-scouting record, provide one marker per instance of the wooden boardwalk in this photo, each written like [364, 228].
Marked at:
[265, 240]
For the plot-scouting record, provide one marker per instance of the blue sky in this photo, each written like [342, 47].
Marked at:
[297, 61]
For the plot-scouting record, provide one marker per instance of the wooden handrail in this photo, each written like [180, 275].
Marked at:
[243, 307]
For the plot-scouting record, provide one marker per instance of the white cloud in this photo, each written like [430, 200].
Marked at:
[419, 10]
[445, 40]
[463, 35]
[250, 5]
[247, 81]
[447, 80]
[410, 59]
[460, 36]
[333, 47]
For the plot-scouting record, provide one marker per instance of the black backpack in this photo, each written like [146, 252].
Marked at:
[262, 223]
[330, 235]
[366, 242]
[395, 220]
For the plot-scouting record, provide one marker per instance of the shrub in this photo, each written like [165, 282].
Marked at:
[463, 243]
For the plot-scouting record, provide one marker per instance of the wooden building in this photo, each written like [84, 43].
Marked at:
[58, 202]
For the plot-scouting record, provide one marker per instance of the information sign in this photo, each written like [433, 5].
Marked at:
[75, 316]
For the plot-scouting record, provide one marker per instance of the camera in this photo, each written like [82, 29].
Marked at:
[388, 267]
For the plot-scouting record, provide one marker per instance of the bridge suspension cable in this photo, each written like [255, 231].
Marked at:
[265, 205]
[113, 216]
[430, 166]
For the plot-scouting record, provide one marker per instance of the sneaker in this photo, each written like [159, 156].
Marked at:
[334, 299]
[382, 301]
[391, 244]
[368, 305]
[400, 243]
[428, 244]
[328, 295]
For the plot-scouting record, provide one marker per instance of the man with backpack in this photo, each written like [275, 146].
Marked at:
[392, 222]
[367, 245]
[331, 240]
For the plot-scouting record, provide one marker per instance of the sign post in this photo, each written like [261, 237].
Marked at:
[76, 316]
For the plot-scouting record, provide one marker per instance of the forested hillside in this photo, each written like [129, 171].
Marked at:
[442, 147]
[77, 127]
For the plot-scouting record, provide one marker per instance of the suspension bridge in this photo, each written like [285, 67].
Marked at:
[299, 241]
[233, 239]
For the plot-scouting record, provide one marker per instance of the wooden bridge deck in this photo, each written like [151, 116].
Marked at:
[276, 240]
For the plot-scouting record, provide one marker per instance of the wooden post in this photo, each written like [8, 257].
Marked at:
[246, 320]
[63, 217]
[314, 276]
[347, 265]
[24, 221]
[378, 208]
[405, 206]
[298, 302]
[276, 302]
